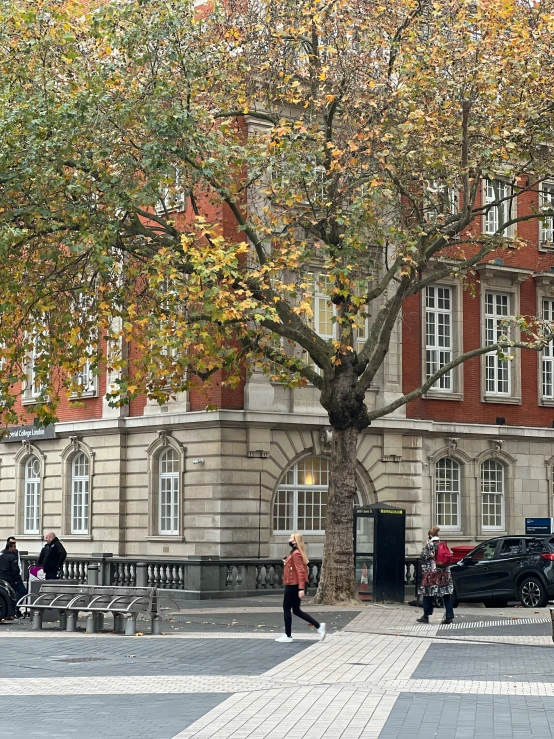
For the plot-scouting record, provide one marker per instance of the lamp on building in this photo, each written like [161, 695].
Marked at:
[198, 461]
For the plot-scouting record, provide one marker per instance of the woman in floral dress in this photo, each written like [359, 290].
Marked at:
[435, 581]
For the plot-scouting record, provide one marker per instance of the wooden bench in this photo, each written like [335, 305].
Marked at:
[125, 604]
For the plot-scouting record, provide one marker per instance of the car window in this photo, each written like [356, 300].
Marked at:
[511, 548]
[536, 546]
[485, 551]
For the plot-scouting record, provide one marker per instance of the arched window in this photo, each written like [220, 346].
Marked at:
[80, 488]
[168, 514]
[492, 495]
[300, 502]
[447, 492]
[31, 513]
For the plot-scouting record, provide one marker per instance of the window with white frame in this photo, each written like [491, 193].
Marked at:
[447, 492]
[497, 370]
[492, 495]
[547, 224]
[33, 386]
[301, 499]
[31, 508]
[168, 495]
[85, 378]
[547, 359]
[300, 502]
[496, 216]
[172, 197]
[438, 334]
[80, 494]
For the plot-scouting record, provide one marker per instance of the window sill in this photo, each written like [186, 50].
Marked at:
[501, 399]
[29, 537]
[437, 395]
[32, 401]
[546, 246]
[547, 402]
[77, 537]
[90, 394]
[166, 537]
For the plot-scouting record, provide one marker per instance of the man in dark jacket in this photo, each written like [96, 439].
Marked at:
[9, 567]
[52, 556]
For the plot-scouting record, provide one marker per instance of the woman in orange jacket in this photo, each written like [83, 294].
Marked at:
[295, 577]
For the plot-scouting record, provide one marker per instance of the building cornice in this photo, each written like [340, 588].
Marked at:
[234, 418]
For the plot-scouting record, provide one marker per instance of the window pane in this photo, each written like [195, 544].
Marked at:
[492, 494]
[447, 482]
[168, 490]
[438, 334]
[31, 508]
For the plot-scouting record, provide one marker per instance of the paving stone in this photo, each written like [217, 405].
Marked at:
[105, 717]
[502, 662]
[98, 656]
[476, 717]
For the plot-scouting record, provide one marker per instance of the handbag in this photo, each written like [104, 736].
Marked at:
[444, 555]
[435, 578]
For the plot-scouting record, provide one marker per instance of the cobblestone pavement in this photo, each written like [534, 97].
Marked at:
[217, 673]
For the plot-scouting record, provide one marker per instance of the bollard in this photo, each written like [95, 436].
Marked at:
[118, 623]
[142, 574]
[71, 621]
[131, 625]
[36, 624]
[63, 620]
[99, 621]
[91, 623]
[93, 573]
[156, 625]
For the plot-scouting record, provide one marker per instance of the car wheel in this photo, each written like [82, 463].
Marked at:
[532, 593]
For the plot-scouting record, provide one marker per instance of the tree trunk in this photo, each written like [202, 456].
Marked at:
[338, 582]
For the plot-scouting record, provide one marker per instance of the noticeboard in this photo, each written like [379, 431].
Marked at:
[538, 526]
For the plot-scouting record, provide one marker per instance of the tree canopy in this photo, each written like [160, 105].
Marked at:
[330, 147]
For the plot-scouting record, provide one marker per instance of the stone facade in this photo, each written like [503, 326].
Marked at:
[231, 464]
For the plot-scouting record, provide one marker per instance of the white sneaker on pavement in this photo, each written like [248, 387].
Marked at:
[284, 638]
[322, 631]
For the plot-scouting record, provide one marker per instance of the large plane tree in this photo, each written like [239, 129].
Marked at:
[335, 147]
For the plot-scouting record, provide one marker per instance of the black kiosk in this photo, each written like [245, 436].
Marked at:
[379, 552]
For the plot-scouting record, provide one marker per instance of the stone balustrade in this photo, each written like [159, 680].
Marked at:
[194, 578]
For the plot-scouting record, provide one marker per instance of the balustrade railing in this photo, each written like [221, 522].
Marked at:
[247, 575]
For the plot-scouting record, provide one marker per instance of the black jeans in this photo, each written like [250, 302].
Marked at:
[291, 601]
[428, 606]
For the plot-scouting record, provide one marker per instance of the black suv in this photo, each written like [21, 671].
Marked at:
[508, 568]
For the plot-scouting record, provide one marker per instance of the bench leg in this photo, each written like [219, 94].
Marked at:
[36, 624]
[118, 623]
[63, 620]
[131, 625]
[99, 621]
[91, 623]
[72, 621]
[156, 625]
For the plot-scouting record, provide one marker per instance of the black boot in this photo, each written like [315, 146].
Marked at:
[423, 620]
[446, 621]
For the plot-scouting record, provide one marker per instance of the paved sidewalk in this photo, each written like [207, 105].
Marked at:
[219, 674]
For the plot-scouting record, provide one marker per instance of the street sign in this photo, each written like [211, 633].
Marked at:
[28, 433]
[538, 526]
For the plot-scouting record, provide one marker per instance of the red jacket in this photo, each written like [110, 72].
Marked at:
[295, 571]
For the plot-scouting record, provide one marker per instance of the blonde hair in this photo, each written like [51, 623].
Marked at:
[434, 531]
[299, 539]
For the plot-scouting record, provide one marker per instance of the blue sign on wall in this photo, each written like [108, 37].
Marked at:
[538, 525]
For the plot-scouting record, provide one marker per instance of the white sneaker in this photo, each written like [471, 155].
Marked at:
[322, 631]
[284, 638]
